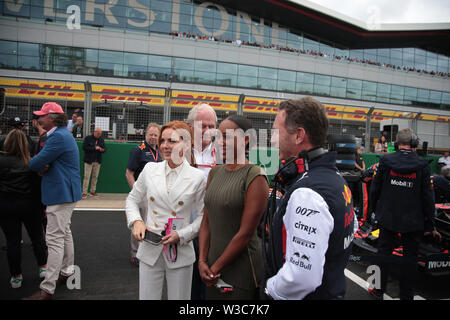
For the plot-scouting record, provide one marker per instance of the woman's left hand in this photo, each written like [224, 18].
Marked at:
[172, 238]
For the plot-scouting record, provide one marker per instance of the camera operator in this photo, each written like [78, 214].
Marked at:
[403, 202]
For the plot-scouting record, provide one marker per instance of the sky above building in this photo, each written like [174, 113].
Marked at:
[389, 11]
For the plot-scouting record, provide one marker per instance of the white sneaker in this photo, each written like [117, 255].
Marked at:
[16, 282]
[42, 272]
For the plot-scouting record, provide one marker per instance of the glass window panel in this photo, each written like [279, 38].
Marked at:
[184, 75]
[228, 68]
[286, 75]
[369, 95]
[286, 86]
[322, 90]
[226, 79]
[268, 84]
[383, 88]
[369, 86]
[338, 82]
[322, 80]
[397, 91]
[8, 60]
[397, 54]
[206, 66]
[185, 64]
[305, 77]
[306, 88]
[205, 77]
[310, 45]
[161, 5]
[358, 54]
[248, 71]
[446, 98]
[135, 59]
[423, 95]
[156, 73]
[8, 47]
[247, 82]
[435, 96]
[111, 56]
[136, 72]
[91, 55]
[29, 63]
[28, 49]
[110, 69]
[354, 84]
[160, 61]
[338, 92]
[267, 73]
[411, 93]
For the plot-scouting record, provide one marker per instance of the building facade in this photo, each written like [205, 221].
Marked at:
[124, 63]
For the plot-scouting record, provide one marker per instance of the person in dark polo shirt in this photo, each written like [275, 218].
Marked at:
[140, 155]
[94, 147]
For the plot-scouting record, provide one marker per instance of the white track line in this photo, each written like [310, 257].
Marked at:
[99, 209]
[365, 285]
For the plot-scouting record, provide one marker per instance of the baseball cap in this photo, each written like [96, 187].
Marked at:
[49, 107]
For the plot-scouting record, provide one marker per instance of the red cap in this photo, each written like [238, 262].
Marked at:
[49, 107]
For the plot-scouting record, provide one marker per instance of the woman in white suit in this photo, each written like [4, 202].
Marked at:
[172, 188]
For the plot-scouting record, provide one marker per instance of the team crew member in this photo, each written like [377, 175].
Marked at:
[311, 231]
[140, 155]
[403, 201]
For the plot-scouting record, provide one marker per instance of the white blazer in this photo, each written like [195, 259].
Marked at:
[187, 194]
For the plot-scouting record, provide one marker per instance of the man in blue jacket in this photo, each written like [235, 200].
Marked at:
[58, 162]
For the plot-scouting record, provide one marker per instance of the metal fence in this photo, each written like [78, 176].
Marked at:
[123, 113]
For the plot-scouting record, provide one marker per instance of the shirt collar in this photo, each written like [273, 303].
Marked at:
[49, 132]
[176, 170]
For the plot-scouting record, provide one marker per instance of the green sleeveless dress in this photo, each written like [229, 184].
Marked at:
[224, 202]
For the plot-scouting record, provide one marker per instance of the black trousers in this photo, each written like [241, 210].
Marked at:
[14, 212]
[408, 262]
[198, 287]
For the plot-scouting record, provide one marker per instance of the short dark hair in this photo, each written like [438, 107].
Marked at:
[309, 114]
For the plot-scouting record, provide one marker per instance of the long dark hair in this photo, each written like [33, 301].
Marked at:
[16, 145]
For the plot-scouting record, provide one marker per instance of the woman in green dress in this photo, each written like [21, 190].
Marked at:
[235, 199]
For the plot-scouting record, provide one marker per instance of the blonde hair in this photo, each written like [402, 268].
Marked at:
[16, 144]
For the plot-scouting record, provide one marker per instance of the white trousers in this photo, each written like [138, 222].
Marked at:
[151, 280]
[60, 244]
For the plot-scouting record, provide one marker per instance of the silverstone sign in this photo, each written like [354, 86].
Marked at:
[206, 18]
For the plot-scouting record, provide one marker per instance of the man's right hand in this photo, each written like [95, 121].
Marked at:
[139, 228]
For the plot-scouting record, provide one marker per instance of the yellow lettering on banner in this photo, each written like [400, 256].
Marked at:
[105, 7]
[150, 16]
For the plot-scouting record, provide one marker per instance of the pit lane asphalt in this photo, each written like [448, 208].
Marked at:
[102, 251]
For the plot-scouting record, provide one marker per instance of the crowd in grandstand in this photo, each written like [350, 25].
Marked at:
[239, 42]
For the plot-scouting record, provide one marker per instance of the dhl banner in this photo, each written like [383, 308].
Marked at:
[263, 102]
[204, 96]
[99, 97]
[35, 84]
[192, 103]
[128, 91]
[46, 94]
